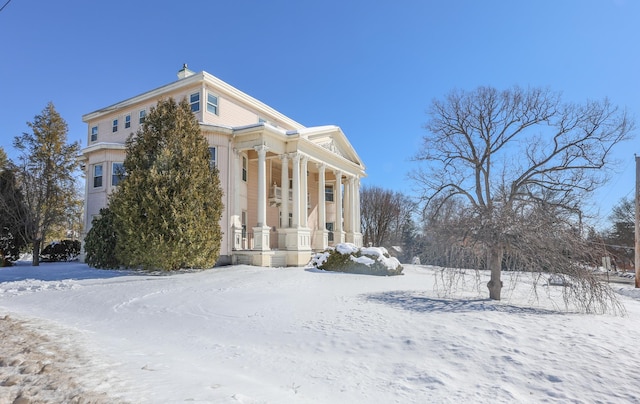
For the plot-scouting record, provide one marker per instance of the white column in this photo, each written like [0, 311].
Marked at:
[338, 226]
[236, 222]
[353, 207]
[284, 180]
[322, 211]
[347, 208]
[296, 191]
[304, 197]
[262, 185]
[321, 241]
[356, 211]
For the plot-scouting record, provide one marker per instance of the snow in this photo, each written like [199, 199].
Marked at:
[243, 334]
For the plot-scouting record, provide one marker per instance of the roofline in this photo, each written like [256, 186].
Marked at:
[204, 77]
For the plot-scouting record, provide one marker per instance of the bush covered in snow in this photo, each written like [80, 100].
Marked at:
[346, 257]
[65, 250]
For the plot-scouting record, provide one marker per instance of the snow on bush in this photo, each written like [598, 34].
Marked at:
[346, 257]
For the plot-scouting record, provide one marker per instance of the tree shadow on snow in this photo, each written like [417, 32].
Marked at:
[412, 301]
[56, 271]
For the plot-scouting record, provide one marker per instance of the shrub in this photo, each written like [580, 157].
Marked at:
[100, 242]
[65, 250]
[346, 257]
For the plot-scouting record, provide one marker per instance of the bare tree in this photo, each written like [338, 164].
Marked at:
[385, 215]
[515, 156]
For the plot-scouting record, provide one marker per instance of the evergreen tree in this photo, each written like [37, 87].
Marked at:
[46, 174]
[12, 237]
[100, 242]
[168, 207]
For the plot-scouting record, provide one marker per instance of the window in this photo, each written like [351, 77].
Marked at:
[290, 219]
[212, 103]
[329, 227]
[328, 193]
[127, 121]
[194, 101]
[114, 126]
[117, 173]
[143, 116]
[97, 176]
[243, 220]
[94, 133]
[212, 157]
[244, 169]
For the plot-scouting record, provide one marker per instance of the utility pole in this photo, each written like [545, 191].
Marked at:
[637, 223]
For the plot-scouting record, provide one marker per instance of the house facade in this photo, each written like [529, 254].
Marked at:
[289, 190]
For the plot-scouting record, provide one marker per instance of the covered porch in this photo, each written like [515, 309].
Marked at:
[289, 204]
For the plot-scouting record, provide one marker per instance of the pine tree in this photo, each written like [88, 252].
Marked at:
[169, 205]
[12, 237]
[46, 174]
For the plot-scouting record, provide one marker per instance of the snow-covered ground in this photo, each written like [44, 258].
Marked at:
[262, 335]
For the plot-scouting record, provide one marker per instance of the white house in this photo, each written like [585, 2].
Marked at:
[288, 190]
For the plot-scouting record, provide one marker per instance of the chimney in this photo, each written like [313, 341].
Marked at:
[184, 72]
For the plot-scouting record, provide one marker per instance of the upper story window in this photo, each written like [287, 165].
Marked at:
[194, 101]
[94, 133]
[114, 126]
[117, 173]
[328, 193]
[212, 103]
[244, 169]
[127, 121]
[143, 116]
[97, 176]
[212, 156]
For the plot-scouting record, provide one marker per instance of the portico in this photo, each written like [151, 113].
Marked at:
[303, 186]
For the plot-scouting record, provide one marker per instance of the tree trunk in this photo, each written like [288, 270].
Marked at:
[494, 264]
[35, 260]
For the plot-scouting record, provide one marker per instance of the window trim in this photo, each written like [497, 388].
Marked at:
[114, 125]
[127, 121]
[93, 134]
[332, 193]
[245, 168]
[195, 104]
[213, 162]
[210, 105]
[97, 179]
[114, 175]
[142, 116]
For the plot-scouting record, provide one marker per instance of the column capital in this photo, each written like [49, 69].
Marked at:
[284, 157]
[321, 165]
[261, 149]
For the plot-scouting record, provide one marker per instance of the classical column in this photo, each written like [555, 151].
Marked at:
[304, 195]
[284, 185]
[346, 213]
[339, 232]
[236, 222]
[321, 233]
[262, 184]
[322, 208]
[296, 191]
[356, 191]
[261, 231]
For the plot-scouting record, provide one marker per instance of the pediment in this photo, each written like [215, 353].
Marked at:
[332, 139]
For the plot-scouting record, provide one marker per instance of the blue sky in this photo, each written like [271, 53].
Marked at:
[371, 67]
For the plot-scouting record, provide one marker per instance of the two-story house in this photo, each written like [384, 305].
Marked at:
[288, 190]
